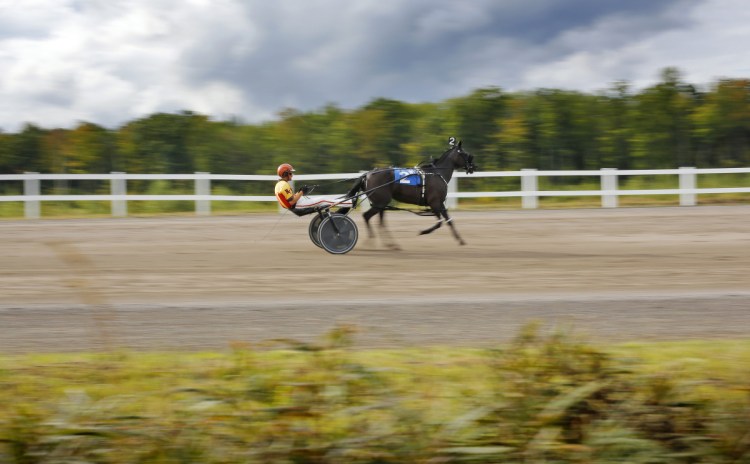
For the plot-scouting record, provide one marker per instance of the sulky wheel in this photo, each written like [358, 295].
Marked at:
[338, 234]
[313, 230]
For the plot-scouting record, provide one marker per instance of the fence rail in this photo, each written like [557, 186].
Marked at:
[203, 197]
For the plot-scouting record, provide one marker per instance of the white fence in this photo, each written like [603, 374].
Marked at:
[529, 192]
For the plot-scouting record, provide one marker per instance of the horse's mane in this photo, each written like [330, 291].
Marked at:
[432, 161]
[445, 154]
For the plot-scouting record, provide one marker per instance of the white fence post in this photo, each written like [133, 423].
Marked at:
[118, 187]
[687, 182]
[529, 184]
[609, 187]
[452, 202]
[31, 189]
[202, 187]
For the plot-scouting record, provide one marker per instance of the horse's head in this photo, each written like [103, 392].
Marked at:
[463, 159]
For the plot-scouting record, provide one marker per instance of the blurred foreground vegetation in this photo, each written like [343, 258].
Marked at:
[546, 397]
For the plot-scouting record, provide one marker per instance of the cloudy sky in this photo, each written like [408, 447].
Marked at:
[111, 61]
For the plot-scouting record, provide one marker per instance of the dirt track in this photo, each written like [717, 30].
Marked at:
[200, 283]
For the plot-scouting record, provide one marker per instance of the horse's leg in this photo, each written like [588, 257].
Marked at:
[368, 215]
[449, 221]
[385, 234]
[435, 226]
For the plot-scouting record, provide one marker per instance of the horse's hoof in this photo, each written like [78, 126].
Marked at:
[461, 242]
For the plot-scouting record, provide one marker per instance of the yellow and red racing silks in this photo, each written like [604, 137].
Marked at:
[284, 193]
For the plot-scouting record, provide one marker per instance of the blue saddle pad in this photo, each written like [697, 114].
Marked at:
[407, 176]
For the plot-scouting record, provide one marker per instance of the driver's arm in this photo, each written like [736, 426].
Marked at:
[295, 198]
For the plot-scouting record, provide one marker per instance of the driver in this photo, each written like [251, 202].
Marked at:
[299, 203]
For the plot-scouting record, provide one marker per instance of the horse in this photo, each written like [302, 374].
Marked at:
[424, 185]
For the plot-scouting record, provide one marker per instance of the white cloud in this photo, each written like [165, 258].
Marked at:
[113, 61]
[109, 62]
[713, 46]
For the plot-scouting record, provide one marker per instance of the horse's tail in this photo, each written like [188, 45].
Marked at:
[358, 186]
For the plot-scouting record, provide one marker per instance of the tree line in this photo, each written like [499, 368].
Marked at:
[667, 125]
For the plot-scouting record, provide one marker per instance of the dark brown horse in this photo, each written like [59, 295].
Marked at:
[425, 185]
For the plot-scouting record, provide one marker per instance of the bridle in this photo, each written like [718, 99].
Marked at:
[467, 158]
[468, 161]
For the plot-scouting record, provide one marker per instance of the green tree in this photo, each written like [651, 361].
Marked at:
[221, 147]
[9, 161]
[433, 124]
[159, 143]
[662, 132]
[286, 141]
[478, 116]
[89, 148]
[667, 125]
[721, 125]
[513, 135]
[341, 141]
[544, 130]
[382, 127]
[615, 119]
[28, 149]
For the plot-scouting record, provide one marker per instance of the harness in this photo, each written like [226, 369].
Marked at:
[420, 171]
[422, 198]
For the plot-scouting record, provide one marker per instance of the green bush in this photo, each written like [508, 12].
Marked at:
[543, 398]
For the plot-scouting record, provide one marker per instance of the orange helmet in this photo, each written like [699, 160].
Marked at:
[283, 169]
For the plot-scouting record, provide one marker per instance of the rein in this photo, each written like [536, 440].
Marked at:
[432, 164]
[422, 212]
[418, 212]
[365, 192]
